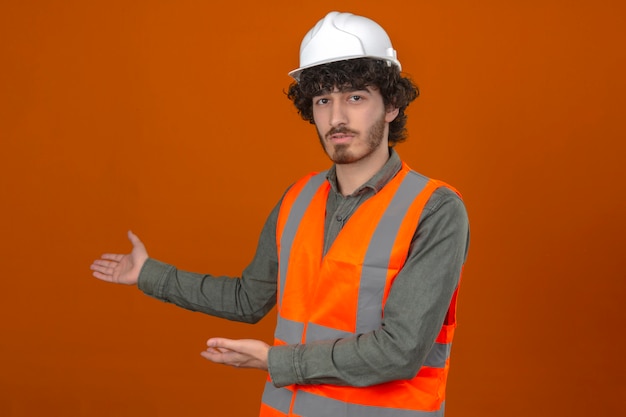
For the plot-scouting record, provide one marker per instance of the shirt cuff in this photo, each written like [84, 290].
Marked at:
[282, 364]
[153, 276]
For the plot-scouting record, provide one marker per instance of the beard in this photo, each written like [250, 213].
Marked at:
[342, 154]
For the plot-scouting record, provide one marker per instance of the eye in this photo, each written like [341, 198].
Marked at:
[355, 98]
[320, 101]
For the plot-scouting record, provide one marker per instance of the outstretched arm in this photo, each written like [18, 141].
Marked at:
[121, 269]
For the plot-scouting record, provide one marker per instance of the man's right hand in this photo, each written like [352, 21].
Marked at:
[121, 269]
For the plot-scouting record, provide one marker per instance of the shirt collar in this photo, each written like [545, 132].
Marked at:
[378, 181]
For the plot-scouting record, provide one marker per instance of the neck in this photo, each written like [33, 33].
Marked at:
[353, 175]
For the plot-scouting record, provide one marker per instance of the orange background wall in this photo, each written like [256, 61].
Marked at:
[169, 118]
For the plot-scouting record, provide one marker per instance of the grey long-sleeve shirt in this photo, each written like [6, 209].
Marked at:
[413, 314]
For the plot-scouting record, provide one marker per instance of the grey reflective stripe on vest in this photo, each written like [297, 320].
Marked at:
[377, 257]
[438, 355]
[293, 221]
[278, 398]
[288, 331]
[311, 405]
[317, 332]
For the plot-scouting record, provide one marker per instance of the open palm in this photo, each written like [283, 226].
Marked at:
[121, 269]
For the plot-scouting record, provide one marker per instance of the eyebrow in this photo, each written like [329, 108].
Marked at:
[344, 89]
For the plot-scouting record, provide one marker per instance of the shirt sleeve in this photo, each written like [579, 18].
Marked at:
[414, 312]
[247, 298]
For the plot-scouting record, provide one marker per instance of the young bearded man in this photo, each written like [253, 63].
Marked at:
[363, 261]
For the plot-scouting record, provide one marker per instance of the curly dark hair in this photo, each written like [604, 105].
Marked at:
[398, 91]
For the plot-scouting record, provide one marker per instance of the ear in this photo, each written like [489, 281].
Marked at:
[391, 114]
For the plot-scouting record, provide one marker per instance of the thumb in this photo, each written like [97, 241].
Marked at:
[134, 239]
[139, 253]
[137, 244]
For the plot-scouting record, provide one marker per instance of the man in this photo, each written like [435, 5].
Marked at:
[363, 261]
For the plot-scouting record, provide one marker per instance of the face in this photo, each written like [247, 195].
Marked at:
[352, 125]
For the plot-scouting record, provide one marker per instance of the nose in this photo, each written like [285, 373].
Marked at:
[338, 115]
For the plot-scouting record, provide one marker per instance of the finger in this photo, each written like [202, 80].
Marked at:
[222, 350]
[104, 263]
[216, 355]
[104, 266]
[211, 356]
[218, 350]
[220, 342]
[102, 269]
[224, 357]
[103, 277]
[112, 256]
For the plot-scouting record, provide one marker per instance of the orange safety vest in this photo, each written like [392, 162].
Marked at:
[343, 293]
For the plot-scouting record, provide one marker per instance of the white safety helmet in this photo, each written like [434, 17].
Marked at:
[341, 36]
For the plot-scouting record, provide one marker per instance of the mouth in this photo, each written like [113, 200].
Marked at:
[340, 135]
[340, 138]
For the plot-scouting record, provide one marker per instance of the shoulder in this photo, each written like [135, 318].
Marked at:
[444, 221]
[446, 199]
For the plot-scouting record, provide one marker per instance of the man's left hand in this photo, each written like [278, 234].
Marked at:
[245, 353]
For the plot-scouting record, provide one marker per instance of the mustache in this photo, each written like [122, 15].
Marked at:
[340, 130]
